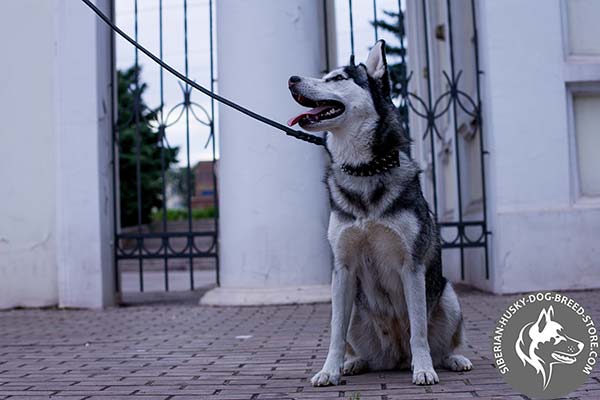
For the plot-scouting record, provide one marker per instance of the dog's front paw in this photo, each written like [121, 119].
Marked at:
[326, 378]
[354, 366]
[456, 362]
[425, 377]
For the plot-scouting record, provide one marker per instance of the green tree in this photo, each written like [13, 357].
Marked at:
[137, 126]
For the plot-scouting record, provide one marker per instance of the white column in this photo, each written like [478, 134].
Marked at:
[273, 204]
[84, 171]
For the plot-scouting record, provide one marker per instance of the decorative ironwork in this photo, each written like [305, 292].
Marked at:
[139, 243]
[461, 233]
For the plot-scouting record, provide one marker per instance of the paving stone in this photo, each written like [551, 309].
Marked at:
[180, 352]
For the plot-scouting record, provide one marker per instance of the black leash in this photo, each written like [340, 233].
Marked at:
[291, 132]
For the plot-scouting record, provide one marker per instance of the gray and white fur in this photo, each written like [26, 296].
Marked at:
[391, 306]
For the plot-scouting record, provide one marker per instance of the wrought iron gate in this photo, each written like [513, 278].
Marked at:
[438, 92]
[437, 82]
[157, 247]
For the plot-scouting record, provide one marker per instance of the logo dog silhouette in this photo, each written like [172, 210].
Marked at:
[544, 343]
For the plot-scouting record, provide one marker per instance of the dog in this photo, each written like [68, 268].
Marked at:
[543, 343]
[391, 306]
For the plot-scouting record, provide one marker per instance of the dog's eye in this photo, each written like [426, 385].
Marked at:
[336, 78]
[558, 339]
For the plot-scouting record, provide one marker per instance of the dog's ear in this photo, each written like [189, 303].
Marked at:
[376, 62]
[377, 65]
[544, 318]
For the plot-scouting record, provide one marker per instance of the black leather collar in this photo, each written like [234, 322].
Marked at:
[374, 167]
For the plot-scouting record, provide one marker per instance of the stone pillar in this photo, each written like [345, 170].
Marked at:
[273, 204]
[84, 156]
[56, 230]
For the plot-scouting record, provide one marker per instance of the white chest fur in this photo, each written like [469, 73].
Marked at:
[376, 251]
[384, 241]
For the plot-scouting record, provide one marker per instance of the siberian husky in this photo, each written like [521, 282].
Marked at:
[391, 306]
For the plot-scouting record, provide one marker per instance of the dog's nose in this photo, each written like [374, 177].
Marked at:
[293, 80]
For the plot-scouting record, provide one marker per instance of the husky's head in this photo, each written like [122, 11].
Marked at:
[543, 343]
[354, 104]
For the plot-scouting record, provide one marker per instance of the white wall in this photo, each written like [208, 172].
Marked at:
[28, 273]
[542, 238]
[273, 203]
[55, 230]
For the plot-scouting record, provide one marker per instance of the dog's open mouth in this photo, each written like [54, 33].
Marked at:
[320, 110]
[563, 358]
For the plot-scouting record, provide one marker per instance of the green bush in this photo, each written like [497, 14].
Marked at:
[181, 214]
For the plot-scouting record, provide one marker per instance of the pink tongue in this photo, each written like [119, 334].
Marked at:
[314, 111]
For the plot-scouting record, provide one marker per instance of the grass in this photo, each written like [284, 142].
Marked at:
[177, 214]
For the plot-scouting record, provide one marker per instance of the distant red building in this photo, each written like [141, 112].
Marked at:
[204, 189]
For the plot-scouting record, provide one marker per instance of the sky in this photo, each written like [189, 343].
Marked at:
[199, 57]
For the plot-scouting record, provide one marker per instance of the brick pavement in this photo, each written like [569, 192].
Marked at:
[185, 351]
